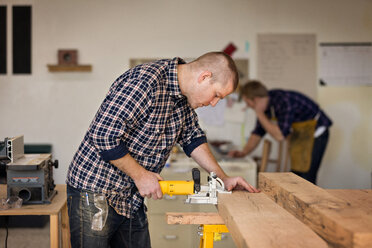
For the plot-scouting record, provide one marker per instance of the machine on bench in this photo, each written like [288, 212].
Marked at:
[29, 176]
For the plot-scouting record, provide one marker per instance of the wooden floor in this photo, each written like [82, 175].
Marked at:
[26, 237]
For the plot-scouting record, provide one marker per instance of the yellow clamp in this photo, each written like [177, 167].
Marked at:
[211, 233]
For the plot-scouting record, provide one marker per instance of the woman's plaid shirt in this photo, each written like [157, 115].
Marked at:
[289, 107]
[143, 114]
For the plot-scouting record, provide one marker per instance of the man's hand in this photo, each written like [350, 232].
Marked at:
[239, 183]
[236, 154]
[260, 104]
[148, 185]
[147, 182]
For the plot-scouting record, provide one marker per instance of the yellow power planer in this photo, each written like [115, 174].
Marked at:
[196, 193]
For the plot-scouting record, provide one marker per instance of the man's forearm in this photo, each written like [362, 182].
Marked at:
[147, 182]
[204, 157]
[271, 128]
[252, 143]
[129, 166]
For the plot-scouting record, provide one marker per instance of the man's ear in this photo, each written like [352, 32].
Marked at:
[204, 75]
[251, 102]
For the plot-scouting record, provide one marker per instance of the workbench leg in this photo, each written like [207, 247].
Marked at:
[66, 243]
[54, 233]
[209, 231]
[208, 240]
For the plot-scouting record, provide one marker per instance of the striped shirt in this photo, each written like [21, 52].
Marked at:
[143, 114]
[289, 107]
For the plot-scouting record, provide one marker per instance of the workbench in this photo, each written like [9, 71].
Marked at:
[185, 236]
[57, 208]
[291, 212]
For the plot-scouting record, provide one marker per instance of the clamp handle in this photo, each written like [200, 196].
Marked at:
[196, 179]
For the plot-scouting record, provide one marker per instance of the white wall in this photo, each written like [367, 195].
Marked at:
[58, 107]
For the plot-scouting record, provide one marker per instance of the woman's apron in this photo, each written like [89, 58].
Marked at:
[300, 143]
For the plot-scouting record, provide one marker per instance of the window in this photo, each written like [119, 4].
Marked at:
[21, 39]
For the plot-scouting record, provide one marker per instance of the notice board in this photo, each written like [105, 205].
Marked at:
[288, 61]
[345, 64]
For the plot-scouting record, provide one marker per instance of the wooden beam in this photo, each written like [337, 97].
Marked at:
[194, 218]
[256, 221]
[339, 222]
[357, 198]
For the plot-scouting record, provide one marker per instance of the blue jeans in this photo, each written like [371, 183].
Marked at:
[320, 144]
[115, 231]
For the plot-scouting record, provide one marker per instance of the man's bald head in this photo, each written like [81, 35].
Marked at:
[220, 64]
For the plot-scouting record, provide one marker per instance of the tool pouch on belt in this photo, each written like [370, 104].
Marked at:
[301, 143]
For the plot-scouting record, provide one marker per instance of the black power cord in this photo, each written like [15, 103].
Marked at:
[7, 231]
[130, 225]
[132, 192]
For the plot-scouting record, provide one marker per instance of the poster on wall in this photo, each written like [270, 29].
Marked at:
[345, 64]
[288, 61]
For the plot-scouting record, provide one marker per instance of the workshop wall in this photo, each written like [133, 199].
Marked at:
[58, 107]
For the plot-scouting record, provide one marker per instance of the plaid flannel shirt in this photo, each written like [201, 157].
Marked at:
[143, 114]
[290, 107]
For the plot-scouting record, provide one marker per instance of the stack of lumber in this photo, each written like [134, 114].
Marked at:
[341, 217]
[291, 212]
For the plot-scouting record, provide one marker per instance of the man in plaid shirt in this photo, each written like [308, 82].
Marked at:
[276, 111]
[146, 111]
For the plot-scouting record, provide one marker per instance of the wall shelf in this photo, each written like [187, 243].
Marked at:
[70, 68]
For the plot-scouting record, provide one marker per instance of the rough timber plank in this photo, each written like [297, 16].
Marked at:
[358, 198]
[340, 222]
[256, 221]
[198, 218]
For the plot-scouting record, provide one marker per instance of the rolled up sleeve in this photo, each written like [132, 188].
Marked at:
[115, 153]
[194, 144]
[285, 117]
[192, 135]
[259, 130]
